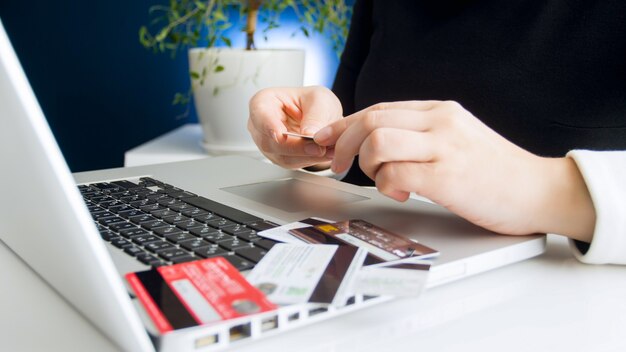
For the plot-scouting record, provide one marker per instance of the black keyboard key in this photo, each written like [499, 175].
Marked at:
[162, 213]
[206, 217]
[167, 202]
[192, 212]
[222, 210]
[153, 224]
[236, 229]
[125, 184]
[218, 237]
[117, 227]
[239, 263]
[121, 243]
[148, 259]
[138, 219]
[171, 253]
[183, 195]
[194, 244]
[155, 247]
[107, 235]
[110, 220]
[265, 243]
[179, 237]
[204, 231]
[208, 252]
[104, 186]
[180, 206]
[140, 203]
[150, 180]
[143, 240]
[132, 198]
[98, 197]
[254, 254]
[110, 203]
[120, 208]
[189, 224]
[184, 259]
[155, 196]
[175, 218]
[101, 214]
[152, 207]
[128, 213]
[133, 250]
[235, 243]
[220, 223]
[261, 225]
[130, 232]
[249, 236]
[93, 208]
[169, 230]
[121, 194]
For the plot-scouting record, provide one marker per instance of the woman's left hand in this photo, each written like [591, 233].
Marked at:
[441, 151]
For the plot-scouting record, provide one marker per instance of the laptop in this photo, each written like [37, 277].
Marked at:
[82, 233]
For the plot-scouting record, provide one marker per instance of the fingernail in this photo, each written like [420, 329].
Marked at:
[313, 149]
[323, 134]
[274, 136]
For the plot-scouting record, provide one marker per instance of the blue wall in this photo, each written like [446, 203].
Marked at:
[102, 92]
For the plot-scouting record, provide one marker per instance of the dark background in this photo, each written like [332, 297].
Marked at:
[101, 91]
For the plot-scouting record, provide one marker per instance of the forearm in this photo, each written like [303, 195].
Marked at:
[566, 207]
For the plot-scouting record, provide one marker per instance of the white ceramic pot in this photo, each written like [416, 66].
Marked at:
[222, 98]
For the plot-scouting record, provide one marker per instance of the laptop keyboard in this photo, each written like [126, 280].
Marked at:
[159, 224]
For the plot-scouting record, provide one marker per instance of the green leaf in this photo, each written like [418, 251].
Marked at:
[194, 75]
[226, 41]
[218, 68]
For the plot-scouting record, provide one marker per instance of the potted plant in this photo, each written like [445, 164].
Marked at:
[223, 78]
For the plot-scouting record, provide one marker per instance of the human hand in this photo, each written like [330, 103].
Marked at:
[442, 152]
[301, 110]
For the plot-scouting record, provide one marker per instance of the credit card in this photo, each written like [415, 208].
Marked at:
[399, 280]
[194, 293]
[301, 273]
[293, 134]
[281, 233]
[381, 244]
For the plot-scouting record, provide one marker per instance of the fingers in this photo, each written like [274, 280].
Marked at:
[269, 112]
[287, 146]
[390, 144]
[398, 179]
[329, 135]
[274, 111]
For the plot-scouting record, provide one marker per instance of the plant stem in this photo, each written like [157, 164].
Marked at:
[253, 13]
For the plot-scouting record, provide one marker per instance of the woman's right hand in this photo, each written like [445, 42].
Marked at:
[303, 110]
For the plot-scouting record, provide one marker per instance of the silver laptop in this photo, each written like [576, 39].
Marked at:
[46, 220]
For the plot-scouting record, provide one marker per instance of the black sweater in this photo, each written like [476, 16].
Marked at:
[549, 75]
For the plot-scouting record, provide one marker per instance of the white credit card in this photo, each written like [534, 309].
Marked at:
[281, 233]
[293, 134]
[399, 280]
[301, 273]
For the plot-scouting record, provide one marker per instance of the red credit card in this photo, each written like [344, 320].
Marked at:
[194, 293]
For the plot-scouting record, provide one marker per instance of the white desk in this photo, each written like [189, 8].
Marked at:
[183, 143]
[549, 303]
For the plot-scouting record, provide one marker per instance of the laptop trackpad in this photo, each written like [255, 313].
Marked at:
[293, 195]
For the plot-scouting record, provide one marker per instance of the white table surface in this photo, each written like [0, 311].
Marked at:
[549, 303]
[182, 143]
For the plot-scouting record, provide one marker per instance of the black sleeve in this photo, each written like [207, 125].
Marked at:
[354, 55]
